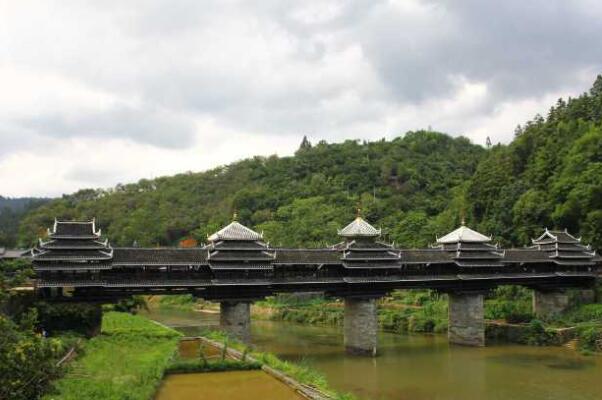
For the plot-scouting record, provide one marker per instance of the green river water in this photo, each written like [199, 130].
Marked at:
[420, 367]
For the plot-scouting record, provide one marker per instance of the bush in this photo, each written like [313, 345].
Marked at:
[83, 318]
[510, 311]
[538, 335]
[27, 361]
[590, 338]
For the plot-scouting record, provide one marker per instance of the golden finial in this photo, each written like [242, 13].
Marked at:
[462, 219]
[234, 216]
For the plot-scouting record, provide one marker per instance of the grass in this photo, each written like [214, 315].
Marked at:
[180, 302]
[190, 366]
[125, 362]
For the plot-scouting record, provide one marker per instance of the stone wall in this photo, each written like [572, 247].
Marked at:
[549, 303]
[466, 319]
[360, 326]
[235, 318]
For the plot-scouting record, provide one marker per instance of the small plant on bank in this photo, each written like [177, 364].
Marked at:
[224, 350]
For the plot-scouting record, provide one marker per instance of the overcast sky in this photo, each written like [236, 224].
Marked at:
[101, 92]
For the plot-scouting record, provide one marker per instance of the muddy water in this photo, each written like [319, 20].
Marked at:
[421, 367]
[234, 385]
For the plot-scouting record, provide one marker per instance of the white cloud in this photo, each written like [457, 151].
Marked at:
[96, 93]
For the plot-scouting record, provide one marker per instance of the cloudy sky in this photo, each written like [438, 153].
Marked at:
[101, 92]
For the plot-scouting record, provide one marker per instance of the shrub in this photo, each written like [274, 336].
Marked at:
[27, 361]
[82, 318]
[538, 335]
[590, 338]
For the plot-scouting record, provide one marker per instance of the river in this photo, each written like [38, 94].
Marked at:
[421, 367]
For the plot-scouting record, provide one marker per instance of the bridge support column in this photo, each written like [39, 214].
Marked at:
[235, 318]
[466, 324]
[547, 303]
[360, 326]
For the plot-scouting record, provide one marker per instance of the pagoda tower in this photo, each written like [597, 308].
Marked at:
[362, 252]
[564, 248]
[74, 250]
[232, 250]
[471, 249]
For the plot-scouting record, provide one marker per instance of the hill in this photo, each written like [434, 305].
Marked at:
[12, 210]
[415, 186]
[404, 184]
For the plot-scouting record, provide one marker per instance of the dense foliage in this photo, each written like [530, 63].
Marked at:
[27, 359]
[550, 175]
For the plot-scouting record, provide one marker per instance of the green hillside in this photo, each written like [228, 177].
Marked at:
[414, 187]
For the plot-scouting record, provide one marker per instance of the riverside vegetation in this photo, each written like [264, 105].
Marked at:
[425, 311]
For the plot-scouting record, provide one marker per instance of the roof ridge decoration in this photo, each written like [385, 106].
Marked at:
[463, 234]
[235, 231]
[359, 228]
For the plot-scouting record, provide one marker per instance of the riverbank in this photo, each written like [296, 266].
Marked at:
[431, 368]
[126, 361]
[507, 310]
[134, 357]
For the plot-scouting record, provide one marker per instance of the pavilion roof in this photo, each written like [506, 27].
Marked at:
[235, 231]
[463, 234]
[74, 230]
[359, 228]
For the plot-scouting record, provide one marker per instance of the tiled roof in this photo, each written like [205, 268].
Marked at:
[72, 255]
[73, 244]
[74, 267]
[74, 229]
[240, 255]
[162, 256]
[10, 253]
[564, 248]
[359, 228]
[239, 266]
[235, 231]
[307, 256]
[549, 236]
[463, 234]
[426, 256]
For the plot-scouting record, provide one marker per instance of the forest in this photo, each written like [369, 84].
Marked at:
[415, 186]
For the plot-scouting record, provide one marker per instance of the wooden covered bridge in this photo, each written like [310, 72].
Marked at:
[236, 267]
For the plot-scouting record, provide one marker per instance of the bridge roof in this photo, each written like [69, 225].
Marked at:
[307, 256]
[235, 231]
[359, 228]
[74, 229]
[464, 234]
[159, 256]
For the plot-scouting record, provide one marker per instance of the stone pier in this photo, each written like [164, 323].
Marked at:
[361, 326]
[466, 324]
[235, 318]
[547, 303]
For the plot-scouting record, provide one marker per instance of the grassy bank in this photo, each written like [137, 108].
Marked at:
[126, 361]
[302, 373]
